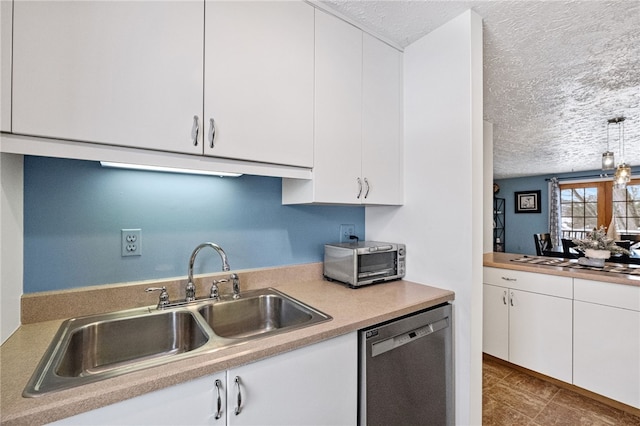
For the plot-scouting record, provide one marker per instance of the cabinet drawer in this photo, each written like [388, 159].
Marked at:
[551, 285]
[602, 293]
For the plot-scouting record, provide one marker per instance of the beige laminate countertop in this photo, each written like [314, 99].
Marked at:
[505, 261]
[351, 310]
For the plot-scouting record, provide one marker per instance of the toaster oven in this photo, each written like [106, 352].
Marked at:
[364, 262]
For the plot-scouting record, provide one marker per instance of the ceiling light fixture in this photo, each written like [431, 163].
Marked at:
[608, 162]
[623, 171]
[167, 169]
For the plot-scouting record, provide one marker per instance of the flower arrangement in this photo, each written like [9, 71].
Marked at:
[598, 240]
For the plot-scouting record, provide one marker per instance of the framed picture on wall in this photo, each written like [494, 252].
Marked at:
[527, 201]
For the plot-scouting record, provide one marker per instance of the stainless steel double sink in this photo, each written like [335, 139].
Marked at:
[93, 348]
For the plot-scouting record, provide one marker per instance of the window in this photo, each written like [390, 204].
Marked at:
[626, 205]
[588, 205]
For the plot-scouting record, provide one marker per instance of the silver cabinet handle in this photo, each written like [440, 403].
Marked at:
[509, 279]
[366, 182]
[238, 396]
[195, 129]
[212, 131]
[511, 299]
[218, 384]
[504, 297]
[359, 188]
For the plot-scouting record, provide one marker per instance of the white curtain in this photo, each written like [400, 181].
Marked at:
[555, 212]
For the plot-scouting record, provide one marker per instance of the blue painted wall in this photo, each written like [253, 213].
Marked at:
[519, 228]
[74, 211]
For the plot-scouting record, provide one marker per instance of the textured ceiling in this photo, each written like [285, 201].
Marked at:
[554, 73]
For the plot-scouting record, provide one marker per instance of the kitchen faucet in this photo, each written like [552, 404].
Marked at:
[191, 288]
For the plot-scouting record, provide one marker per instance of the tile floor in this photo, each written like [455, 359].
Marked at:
[511, 397]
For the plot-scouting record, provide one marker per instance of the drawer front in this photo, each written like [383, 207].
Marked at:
[552, 285]
[609, 294]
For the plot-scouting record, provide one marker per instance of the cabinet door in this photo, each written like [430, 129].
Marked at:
[338, 113]
[6, 11]
[190, 403]
[606, 351]
[259, 81]
[381, 122]
[540, 333]
[315, 385]
[495, 321]
[112, 72]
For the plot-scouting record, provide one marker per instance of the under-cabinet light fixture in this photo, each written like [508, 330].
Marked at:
[167, 169]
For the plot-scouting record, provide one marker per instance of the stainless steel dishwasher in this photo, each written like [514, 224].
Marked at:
[406, 370]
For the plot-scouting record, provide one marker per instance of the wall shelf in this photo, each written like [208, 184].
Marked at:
[498, 224]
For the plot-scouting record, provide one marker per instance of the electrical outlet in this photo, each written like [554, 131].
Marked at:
[131, 242]
[346, 231]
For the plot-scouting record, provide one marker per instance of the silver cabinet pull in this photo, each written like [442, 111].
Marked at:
[509, 279]
[359, 188]
[238, 396]
[212, 132]
[504, 297]
[511, 299]
[218, 384]
[366, 182]
[195, 129]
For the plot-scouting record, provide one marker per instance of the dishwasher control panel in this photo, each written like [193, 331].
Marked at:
[383, 346]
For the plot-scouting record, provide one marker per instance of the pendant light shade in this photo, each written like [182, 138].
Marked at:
[622, 176]
[623, 171]
[608, 162]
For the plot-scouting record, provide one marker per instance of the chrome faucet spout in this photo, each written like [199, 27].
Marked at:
[191, 288]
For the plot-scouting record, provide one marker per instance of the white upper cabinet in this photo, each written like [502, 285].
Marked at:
[5, 64]
[259, 81]
[338, 116]
[381, 122]
[116, 72]
[155, 74]
[358, 97]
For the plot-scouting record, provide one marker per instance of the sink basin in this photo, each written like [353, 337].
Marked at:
[258, 313]
[96, 347]
[106, 345]
[93, 348]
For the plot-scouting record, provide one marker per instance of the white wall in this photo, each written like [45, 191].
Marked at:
[11, 246]
[442, 219]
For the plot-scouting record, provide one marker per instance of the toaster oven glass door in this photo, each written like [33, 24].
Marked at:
[377, 265]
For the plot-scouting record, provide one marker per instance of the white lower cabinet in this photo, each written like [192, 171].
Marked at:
[606, 357]
[495, 320]
[540, 329]
[528, 320]
[313, 385]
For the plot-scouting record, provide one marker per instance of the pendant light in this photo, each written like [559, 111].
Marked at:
[623, 171]
[608, 162]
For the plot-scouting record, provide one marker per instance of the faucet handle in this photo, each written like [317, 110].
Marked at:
[163, 301]
[215, 291]
[236, 285]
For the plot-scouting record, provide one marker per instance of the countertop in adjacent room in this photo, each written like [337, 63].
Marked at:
[563, 267]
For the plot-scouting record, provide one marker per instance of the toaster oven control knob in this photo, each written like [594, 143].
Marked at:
[401, 251]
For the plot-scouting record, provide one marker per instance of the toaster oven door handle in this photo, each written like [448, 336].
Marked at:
[380, 248]
[376, 273]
